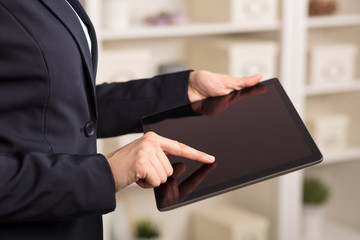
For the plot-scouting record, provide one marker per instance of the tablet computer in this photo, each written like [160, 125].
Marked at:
[255, 134]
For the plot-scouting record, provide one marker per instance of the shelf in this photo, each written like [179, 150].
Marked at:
[350, 154]
[335, 231]
[192, 29]
[334, 21]
[333, 88]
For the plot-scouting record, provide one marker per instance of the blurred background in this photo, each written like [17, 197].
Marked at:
[312, 46]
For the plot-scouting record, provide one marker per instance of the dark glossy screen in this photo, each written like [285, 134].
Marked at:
[254, 134]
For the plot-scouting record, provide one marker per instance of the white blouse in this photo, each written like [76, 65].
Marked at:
[86, 31]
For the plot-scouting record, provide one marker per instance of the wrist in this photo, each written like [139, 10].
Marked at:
[193, 94]
[112, 165]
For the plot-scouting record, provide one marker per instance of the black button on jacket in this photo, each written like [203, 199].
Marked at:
[53, 184]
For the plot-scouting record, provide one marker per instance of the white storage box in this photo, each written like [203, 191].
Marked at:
[116, 14]
[240, 58]
[332, 63]
[238, 11]
[230, 223]
[330, 131]
[123, 65]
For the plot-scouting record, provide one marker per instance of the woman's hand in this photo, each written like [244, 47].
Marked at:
[144, 160]
[203, 84]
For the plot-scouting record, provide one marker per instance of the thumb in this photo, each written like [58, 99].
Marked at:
[245, 82]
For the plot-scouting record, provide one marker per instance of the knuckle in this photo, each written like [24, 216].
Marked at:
[182, 148]
[150, 138]
[139, 176]
[163, 179]
[162, 175]
[142, 162]
[169, 171]
[144, 151]
[141, 165]
[176, 142]
[150, 135]
[156, 182]
[229, 85]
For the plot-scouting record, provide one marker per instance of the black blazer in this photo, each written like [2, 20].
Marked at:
[53, 184]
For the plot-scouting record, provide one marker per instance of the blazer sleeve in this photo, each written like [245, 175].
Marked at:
[121, 106]
[36, 186]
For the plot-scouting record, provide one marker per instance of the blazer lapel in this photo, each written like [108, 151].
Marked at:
[85, 18]
[67, 16]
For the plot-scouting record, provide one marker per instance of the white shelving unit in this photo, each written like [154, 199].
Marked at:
[338, 170]
[349, 154]
[280, 199]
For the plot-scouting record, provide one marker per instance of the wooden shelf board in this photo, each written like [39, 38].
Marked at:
[334, 21]
[350, 154]
[335, 231]
[192, 29]
[333, 88]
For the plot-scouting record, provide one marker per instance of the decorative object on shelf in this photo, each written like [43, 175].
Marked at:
[237, 11]
[116, 14]
[237, 57]
[228, 222]
[167, 18]
[330, 130]
[146, 229]
[172, 67]
[315, 195]
[332, 63]
[322, 7]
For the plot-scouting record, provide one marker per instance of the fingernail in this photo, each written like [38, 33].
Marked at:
[210, 158]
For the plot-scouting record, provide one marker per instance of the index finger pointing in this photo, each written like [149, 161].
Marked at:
[181, 150]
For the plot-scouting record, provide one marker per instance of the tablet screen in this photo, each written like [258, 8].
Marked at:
[255, 134]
